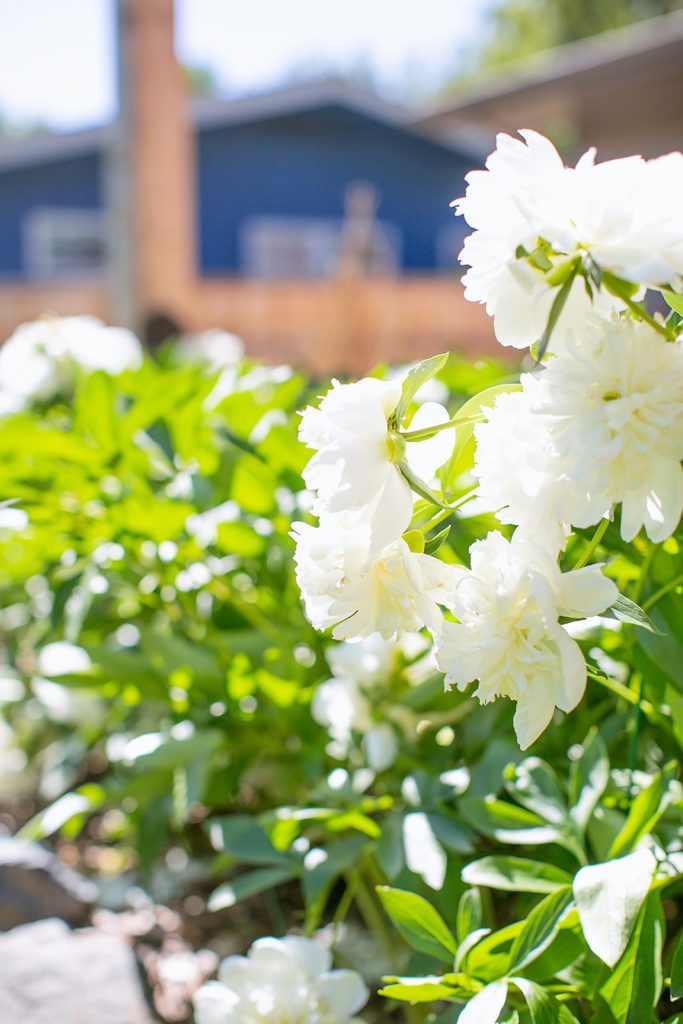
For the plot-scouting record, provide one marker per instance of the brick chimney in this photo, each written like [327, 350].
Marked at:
[151, 172]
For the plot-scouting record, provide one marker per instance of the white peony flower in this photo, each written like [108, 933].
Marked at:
[281, 981]
[344, 705]
[611, 409]
[521, 478]
[37, 361]
[361, 588]
[508, 636]
[624, 214]
[356, 462]
[602, 424]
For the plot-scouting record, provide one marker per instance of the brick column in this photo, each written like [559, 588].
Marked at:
[151, 179]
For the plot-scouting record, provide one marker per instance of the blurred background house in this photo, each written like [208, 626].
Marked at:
[621, 91]
[313, 219]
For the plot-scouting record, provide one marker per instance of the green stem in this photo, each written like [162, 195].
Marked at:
[592, 544]
[662, 592]
[622, 691]
[637, 725]
[425, 433]
[344, 904]
[373, 916]
[612, 284]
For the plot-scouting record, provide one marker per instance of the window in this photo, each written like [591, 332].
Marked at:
[63, 242]
[309, 247]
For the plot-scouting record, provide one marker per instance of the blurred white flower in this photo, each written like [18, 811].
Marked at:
[217, 348]
[344, 704]
[281, 981]
[38, 360]
[220, 351]
[508, 636]
[360, 588]
[356, 462]
[60, 658]
[624, 214]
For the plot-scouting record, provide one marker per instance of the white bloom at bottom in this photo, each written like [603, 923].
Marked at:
[281, 981]
[360, 589]
[508, 636]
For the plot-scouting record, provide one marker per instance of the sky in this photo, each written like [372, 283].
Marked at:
[57, 63]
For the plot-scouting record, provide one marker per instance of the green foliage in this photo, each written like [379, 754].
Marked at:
[503, 887]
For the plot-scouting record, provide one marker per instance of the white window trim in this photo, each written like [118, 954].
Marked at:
[44, 225]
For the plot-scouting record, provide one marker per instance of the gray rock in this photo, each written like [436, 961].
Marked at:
[34, 884]
[50, 974]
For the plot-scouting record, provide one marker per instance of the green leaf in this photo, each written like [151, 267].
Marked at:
[626, 610]
[464, 442]
[243, 838]
[469, 916]
[418, 376]
[677, 971]
[555, 313]
[507, 823]
[437, 541]
[609, 897]
[490, 958]
[674, 299]
[420, 487]
[645, 812]
[60, 813]
[486, 1006]
[515, 874]
[417, 990]
[589, 779]
[633, 988]
[540, 928]
[250, 884]
[418, 922]
[543, 1006]
[535, 785]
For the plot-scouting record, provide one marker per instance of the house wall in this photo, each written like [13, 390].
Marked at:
[72, 182]
[301, 165]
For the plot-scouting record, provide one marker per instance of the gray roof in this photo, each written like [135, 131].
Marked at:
[605, 56]
[208, 112]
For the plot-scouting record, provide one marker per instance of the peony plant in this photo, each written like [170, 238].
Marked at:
[585, 266]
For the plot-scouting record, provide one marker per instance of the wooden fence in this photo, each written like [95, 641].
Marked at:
[340, 325]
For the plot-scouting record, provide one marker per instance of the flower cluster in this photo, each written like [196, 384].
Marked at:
[281, 981]
[543, 230]
[39, 360]
[562, 258]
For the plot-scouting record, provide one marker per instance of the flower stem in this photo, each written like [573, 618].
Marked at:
[662, 592]
[426, 432]
[622, 691]
[592, 544]
[637, 725]
[612, 284]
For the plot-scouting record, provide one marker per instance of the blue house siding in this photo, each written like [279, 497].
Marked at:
[291, 165]
[71, 182]
[301, 165]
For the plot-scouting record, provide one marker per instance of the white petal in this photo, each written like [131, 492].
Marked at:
[345, 992]
[584, 592]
